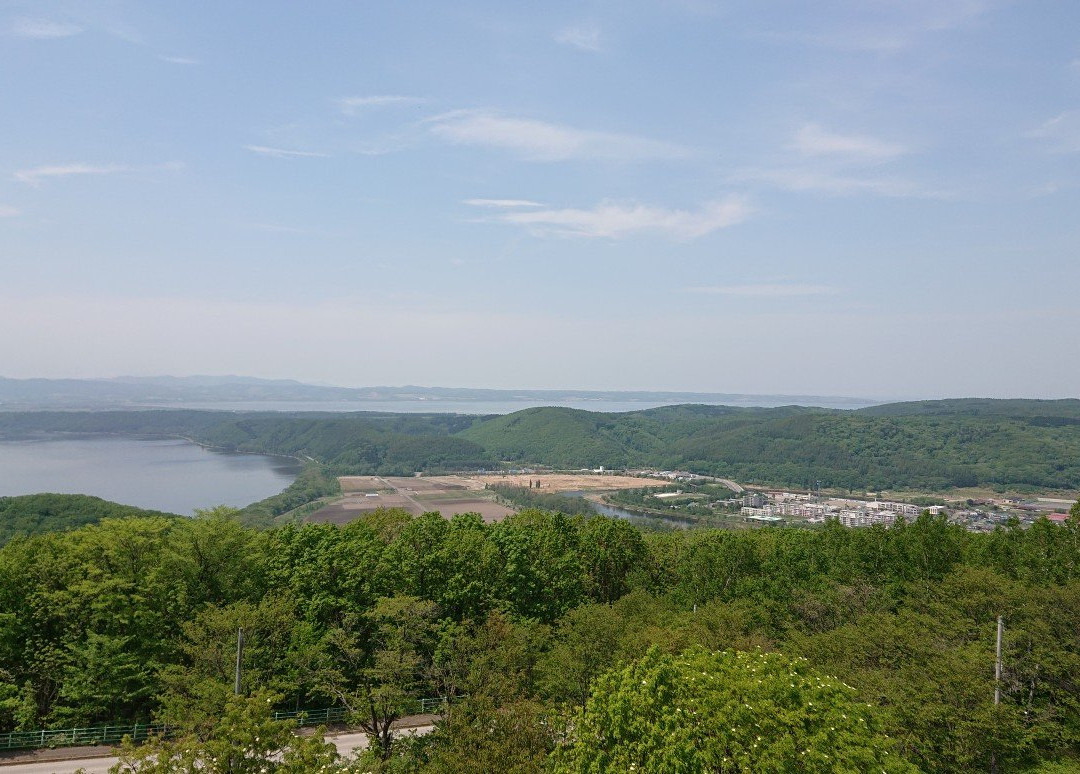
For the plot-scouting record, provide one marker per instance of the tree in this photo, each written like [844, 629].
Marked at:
[479, 737]
[728, 711]
[380, 662]
[246, 739]
[587, 644]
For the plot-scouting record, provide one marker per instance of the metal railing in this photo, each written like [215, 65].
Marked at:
[62, 737]
[140, 732]
[328, 715]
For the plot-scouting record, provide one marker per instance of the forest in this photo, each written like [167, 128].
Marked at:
[933, 446]
[817, 650]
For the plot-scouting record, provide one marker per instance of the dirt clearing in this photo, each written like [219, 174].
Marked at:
[570, 482]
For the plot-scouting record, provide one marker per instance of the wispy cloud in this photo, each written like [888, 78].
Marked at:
[7, 211]
[887, 28]
[283, 153]
[502, 203]
[583, 37]
[1061, 133]
[178, 60]
[799, 179]
[813, 140]
[615, 221]
[277, 228]
[765, 290]
[352, 105]
[36, 175]
[43, 29]
[542, 141]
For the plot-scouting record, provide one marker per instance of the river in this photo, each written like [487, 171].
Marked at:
[161, 474]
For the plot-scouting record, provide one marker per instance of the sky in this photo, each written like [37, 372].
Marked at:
[875, 198]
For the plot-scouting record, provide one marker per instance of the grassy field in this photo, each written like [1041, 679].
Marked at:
[449, 495]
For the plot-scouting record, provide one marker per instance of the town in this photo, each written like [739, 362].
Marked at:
[763, 507]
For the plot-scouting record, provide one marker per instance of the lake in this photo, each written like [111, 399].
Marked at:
[160, 474]
[483, 407]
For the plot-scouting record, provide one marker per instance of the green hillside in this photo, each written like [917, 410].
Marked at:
[1011, 444]
[930, 445]
[1068, 408]
[37, 514]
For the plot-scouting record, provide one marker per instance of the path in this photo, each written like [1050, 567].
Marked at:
[419, 508]
[346, 742]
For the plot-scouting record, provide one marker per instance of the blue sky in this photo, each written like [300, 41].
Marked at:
[866, 198]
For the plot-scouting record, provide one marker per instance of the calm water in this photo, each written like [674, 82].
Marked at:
[480, 406]
[165, 475]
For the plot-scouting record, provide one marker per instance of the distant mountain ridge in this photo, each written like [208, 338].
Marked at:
[158, 391]
[927, 446]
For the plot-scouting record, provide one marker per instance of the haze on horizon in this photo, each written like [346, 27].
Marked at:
[856, 199]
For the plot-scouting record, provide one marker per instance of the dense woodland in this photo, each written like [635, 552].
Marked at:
[35, 514]
[541, 631]
[930, 445]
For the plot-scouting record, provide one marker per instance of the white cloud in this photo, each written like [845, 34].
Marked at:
[765, 290]
[43, 29]
[37, 174]
[179, 60]
[7, 211]
[812, 140]
[583, 37]
[1062, 133]
[502, 203]
[803, 180]
[352, 105]
[889, 27]
[615, 221]
[541, 141]
[282, 153]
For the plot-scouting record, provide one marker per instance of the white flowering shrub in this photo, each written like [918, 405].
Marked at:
[731, 711]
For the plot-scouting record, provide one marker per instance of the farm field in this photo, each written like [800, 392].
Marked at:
[570, 482]
[448, 495]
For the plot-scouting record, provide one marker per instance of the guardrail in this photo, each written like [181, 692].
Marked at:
[57, 737]
[140, 732]
[327, 715]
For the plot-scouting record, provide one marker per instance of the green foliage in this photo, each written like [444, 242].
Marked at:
[953, 446]
[480, 737]
[542, 501]
[133, 619]
[35, 514]
[245, 738]
[729, 711]
[313, 483]
[931, 445]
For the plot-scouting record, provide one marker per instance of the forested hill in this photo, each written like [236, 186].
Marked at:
[361, 442]
[966, 443]
[1067, 408]
[37, 514]
[931, 445]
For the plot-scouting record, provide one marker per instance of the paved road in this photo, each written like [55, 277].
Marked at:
[346, 743]
[731, 485]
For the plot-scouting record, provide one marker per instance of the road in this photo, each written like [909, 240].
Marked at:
[419, 508]
[730, 485]
[346, 743]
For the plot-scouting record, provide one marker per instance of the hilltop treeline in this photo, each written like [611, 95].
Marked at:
[36, 514]
[931, 445]
[516, 622]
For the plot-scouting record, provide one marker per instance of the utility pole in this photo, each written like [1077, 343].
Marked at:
[239, 658]
[997, 685]
[997, 662]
